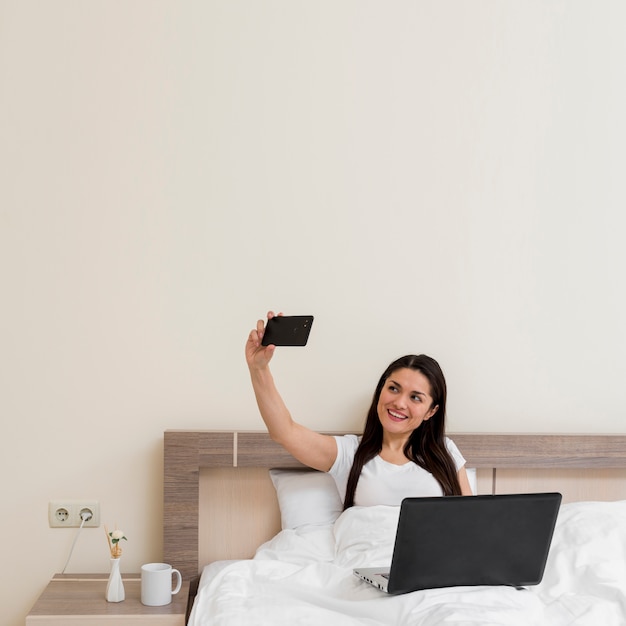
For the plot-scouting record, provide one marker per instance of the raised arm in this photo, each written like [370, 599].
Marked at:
[309, 447]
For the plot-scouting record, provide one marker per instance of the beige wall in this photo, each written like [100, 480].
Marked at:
[423, 176]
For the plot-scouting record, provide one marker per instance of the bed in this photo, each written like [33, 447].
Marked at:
[261, 552]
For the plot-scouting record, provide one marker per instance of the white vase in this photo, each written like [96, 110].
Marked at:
[115, 586]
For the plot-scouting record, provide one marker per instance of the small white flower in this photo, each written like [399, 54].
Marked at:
[114, 539]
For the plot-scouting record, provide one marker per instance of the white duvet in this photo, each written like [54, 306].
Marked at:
[305, 577]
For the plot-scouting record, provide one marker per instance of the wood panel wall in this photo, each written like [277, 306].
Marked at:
[219, 502]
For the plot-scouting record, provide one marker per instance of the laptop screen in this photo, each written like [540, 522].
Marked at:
[473, 540]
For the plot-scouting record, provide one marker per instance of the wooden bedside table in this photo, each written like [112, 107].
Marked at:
[79, 599]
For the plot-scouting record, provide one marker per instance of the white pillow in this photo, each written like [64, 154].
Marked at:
[306, 497]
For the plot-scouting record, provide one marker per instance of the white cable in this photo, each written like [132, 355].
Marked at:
[85, 517]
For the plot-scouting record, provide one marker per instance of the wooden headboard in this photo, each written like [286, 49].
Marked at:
[217, 491]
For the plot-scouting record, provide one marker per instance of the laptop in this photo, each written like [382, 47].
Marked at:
[473, 540]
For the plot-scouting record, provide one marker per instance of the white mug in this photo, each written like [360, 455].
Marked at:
[156, 583]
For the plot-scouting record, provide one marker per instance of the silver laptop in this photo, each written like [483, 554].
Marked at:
[474, 540]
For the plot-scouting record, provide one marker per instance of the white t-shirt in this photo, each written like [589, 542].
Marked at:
[382, 482]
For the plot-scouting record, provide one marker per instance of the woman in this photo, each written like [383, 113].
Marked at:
[403, 452]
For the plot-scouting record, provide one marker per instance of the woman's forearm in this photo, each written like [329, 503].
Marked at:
[309, 447]
[273, 410]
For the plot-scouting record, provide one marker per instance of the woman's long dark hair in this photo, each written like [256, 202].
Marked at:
[426, 445]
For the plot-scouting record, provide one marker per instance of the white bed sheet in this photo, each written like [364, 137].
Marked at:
[305, 577]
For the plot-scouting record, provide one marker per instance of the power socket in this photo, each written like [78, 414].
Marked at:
[67, 513]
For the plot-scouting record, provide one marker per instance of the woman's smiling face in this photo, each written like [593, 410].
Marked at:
[405, 401]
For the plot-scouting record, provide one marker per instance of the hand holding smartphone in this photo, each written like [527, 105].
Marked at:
[287, 330]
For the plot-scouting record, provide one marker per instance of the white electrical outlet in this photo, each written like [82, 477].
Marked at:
[67, 513]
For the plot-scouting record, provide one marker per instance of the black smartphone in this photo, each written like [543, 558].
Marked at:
[288, 330]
